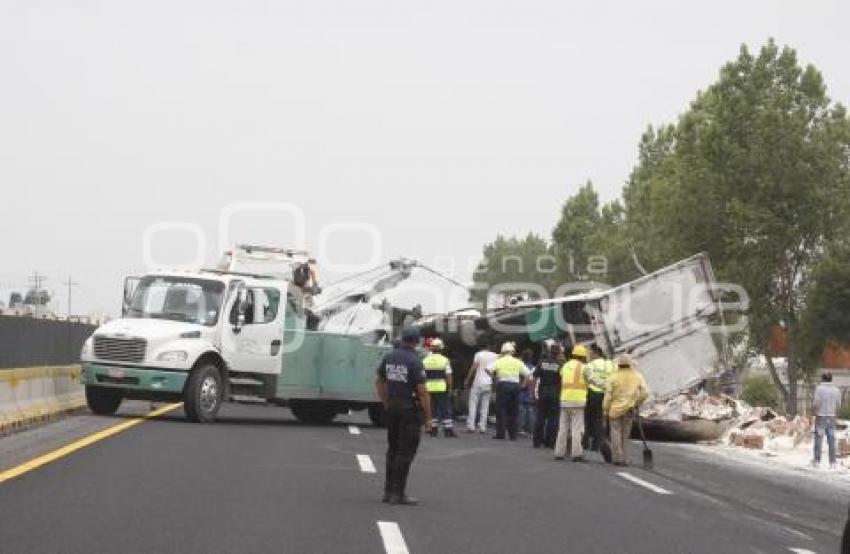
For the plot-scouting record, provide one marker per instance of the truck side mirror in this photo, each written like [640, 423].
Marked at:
[239, 306]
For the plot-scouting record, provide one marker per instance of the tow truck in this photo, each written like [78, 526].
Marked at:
[243, 331]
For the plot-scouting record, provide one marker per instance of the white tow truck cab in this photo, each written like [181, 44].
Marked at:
[200, 337]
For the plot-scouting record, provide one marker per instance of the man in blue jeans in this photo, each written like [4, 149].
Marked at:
[827, 401]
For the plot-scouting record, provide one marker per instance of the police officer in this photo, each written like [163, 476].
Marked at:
[547, 388]
[401, 388]
[438, 383]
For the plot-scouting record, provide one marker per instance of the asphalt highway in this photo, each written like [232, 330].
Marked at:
[258, 481]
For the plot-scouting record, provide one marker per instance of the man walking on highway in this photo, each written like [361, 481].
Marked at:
[509, 373]
[438, 383]
[573, 401]
[596, 372]
[401, 388]
[546, 387]
[479, 393]
[826, 403]
[624, 393]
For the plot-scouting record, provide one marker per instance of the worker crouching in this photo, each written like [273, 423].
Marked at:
[438, 382]
[625, 391]
[573, 401]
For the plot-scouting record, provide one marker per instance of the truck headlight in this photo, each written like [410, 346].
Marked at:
[173, 356]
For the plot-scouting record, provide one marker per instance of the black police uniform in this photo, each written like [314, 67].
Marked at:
[403, 371]
[548, 375]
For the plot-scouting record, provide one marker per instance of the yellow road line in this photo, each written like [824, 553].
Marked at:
[36, 463]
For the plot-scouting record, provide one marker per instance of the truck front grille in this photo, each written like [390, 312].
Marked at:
[119, 350]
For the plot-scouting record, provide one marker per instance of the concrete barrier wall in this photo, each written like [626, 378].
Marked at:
[36, 394]
[29, 341]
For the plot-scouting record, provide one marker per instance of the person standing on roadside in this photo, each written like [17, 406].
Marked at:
[625, 391]
[527, 407]
[573, 401]
[546, 387]
[510, 373]
[596, 373]
[401, 387]
[438, 383]
[826, 403]
[480, 390]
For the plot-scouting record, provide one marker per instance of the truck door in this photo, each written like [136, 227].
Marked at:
[251, 341]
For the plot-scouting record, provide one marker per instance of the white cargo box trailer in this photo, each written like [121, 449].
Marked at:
[667, 320]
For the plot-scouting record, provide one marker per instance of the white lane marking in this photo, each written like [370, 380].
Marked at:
[642, 483]
[801, 551]
[366, 465]
[354, 430]
[393, 540]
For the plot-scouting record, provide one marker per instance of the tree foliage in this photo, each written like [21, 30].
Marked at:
[757, 174]
[519, 262]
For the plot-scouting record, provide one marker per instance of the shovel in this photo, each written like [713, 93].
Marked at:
[647, 453]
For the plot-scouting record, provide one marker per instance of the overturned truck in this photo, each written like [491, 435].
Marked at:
[669, 321]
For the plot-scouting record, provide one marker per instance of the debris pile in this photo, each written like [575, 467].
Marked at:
[686, 406]
[762, 428]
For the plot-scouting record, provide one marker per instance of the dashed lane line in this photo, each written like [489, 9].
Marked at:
[354, 430]
[366, 465]
[44, 459]
[392, 537]
[801, 551]
[642, 483]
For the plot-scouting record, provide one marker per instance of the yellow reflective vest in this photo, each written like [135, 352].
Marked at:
[573, 385]
[437, 367]
[597, 373]
[508, 368]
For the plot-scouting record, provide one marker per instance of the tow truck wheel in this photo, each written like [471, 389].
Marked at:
[203, 394]
[103, 400]
[376, 415]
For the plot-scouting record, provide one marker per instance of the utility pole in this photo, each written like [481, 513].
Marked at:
[37, 279]
[70, 283]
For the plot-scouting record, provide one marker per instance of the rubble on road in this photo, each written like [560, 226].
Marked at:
[691, 417]
[694, 406]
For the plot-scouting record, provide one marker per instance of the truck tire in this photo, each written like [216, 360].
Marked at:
[203, 394]
[376, 415]
[103, 400]
[313, 412]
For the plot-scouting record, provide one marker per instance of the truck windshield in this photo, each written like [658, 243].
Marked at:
[177, 299]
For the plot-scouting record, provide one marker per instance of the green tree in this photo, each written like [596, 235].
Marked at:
[590, 240]
[826, 317]
[515, 262]
[756, 174]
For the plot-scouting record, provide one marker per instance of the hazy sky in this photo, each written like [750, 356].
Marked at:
[440, 123]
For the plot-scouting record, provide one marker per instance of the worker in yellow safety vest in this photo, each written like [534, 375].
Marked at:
[438, 383]
[573, 401]
[510, 373]
[596, 373]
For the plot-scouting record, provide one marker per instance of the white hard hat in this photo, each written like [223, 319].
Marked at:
[508, 348]
[437, 344]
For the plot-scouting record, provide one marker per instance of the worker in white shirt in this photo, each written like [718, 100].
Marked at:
[481, 389]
